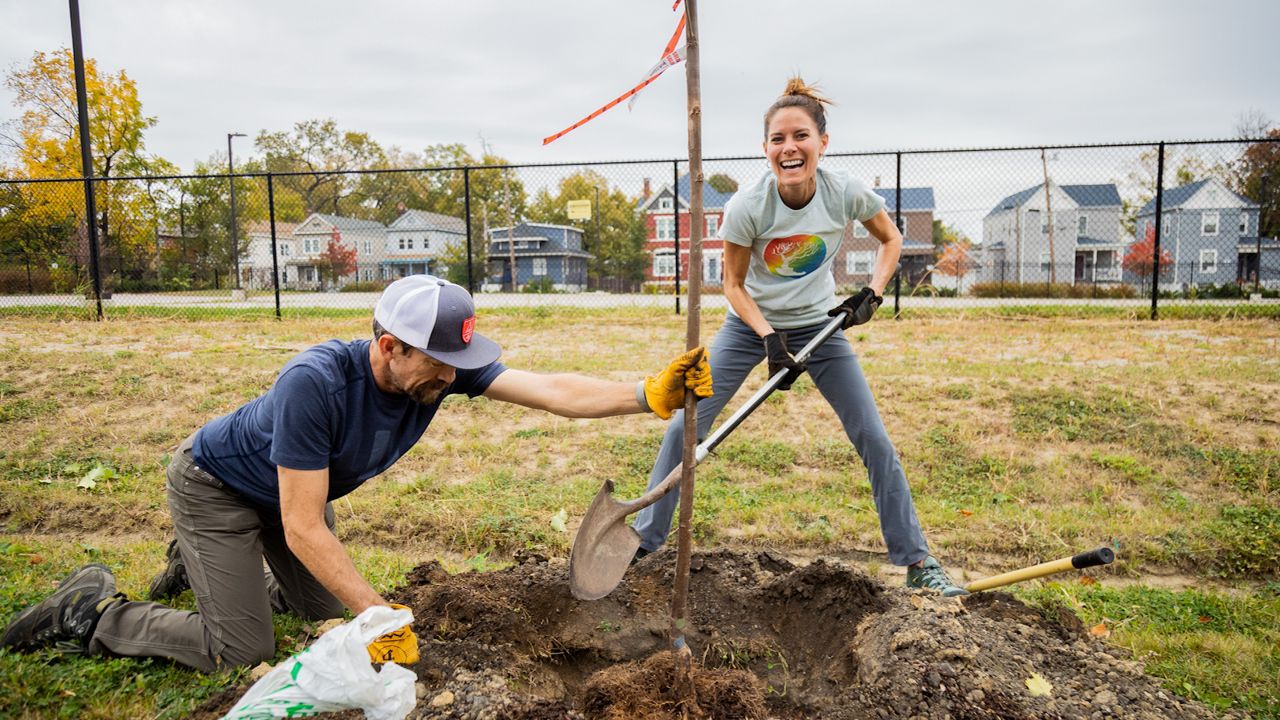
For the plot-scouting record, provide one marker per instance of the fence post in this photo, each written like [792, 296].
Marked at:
[897, 222]
[1155, 249]
[275, 263]
[1262, 213]
[86, 156]
[675, 221]
[466, 204]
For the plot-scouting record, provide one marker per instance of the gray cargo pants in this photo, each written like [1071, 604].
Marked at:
[223, 539]
[735, 350]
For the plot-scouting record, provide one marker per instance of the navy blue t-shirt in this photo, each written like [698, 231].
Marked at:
[324, 410]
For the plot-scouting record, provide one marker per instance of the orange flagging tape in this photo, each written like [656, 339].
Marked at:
[601, 111]
[670, 56]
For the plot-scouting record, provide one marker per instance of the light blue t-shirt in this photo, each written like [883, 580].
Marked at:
[790, 275]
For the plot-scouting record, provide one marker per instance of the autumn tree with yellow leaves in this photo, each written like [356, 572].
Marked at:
[44, 142]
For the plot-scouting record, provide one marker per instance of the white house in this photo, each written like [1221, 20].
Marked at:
[1087, 241]
[415, 240]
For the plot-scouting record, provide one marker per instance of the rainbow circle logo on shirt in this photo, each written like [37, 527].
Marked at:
[795, 256]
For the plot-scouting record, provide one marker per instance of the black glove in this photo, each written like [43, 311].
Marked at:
[775, 349]
[857, 308]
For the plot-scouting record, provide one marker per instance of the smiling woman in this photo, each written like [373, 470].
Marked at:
[782, 235]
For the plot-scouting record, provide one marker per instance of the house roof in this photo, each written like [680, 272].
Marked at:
[916, 198]
[528, 227]
[1104, 195]
[1176, 197]
[346, 223]
[712, 199]
[418, 219]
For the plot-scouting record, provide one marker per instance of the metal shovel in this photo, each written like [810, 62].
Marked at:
[605, 543]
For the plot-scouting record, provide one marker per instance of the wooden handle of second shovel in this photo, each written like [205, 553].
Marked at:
[1092, 558]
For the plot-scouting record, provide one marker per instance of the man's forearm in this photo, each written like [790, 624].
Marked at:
[328, 561]
[578, 396]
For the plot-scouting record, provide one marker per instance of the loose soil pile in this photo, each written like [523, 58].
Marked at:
[769, 640]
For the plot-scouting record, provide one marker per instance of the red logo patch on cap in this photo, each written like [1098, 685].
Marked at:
[468, 327]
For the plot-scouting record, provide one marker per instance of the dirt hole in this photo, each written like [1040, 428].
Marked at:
[769, 639]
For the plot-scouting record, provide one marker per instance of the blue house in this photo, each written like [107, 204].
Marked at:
[1210, 232]
[543, 254]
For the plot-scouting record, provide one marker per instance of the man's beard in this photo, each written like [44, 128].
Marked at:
[427, 393]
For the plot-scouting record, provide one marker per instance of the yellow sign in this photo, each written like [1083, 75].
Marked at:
[579, 209]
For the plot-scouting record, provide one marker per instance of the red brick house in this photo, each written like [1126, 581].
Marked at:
[858, 250]
[660, 211]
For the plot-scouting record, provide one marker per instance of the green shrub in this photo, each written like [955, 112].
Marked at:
[543, 284]
[1057, 290]
[363, 286]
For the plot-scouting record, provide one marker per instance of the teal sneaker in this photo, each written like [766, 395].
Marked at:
[932, 576]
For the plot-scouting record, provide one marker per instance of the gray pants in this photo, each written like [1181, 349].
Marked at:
[223, 539]
[735, 350]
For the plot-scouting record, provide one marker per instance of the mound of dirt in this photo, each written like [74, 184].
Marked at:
[770, 640]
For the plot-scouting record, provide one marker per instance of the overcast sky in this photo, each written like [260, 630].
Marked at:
[905, 74]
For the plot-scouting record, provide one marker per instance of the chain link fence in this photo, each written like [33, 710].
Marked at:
[1133, 224]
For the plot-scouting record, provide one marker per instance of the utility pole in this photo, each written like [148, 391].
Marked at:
[86, 156]
[1262, 213]
[235, 242]
[1048, 216]
[511, 226]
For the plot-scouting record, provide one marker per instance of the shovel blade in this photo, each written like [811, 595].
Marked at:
[603, 548]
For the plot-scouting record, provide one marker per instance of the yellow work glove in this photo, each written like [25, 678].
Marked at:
[664, 393]
[398, 646]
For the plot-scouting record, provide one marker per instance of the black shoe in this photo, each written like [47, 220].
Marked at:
[173, 580]
[640, 553]
[67, 618]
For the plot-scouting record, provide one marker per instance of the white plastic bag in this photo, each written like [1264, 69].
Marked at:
[335, 674]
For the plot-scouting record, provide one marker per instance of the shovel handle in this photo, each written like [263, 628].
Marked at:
[1093, 558]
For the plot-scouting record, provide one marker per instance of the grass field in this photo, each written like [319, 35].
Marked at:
[1024, 438]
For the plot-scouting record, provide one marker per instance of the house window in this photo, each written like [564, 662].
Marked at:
[666, 227]
[311, 245]
[539, 267]
[426, 243]
[860, 230]
[664, 265]
[713, 226]
[711, 267]
[664, 203]
[1082, 225]
[368, 247]
[1044, 262]
[1209, 222]
[1033, 219]
[286, 249]
[1244, 223]
[858, 262]
[1209, 260]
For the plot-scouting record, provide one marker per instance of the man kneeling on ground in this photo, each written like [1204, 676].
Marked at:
[258, 483]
